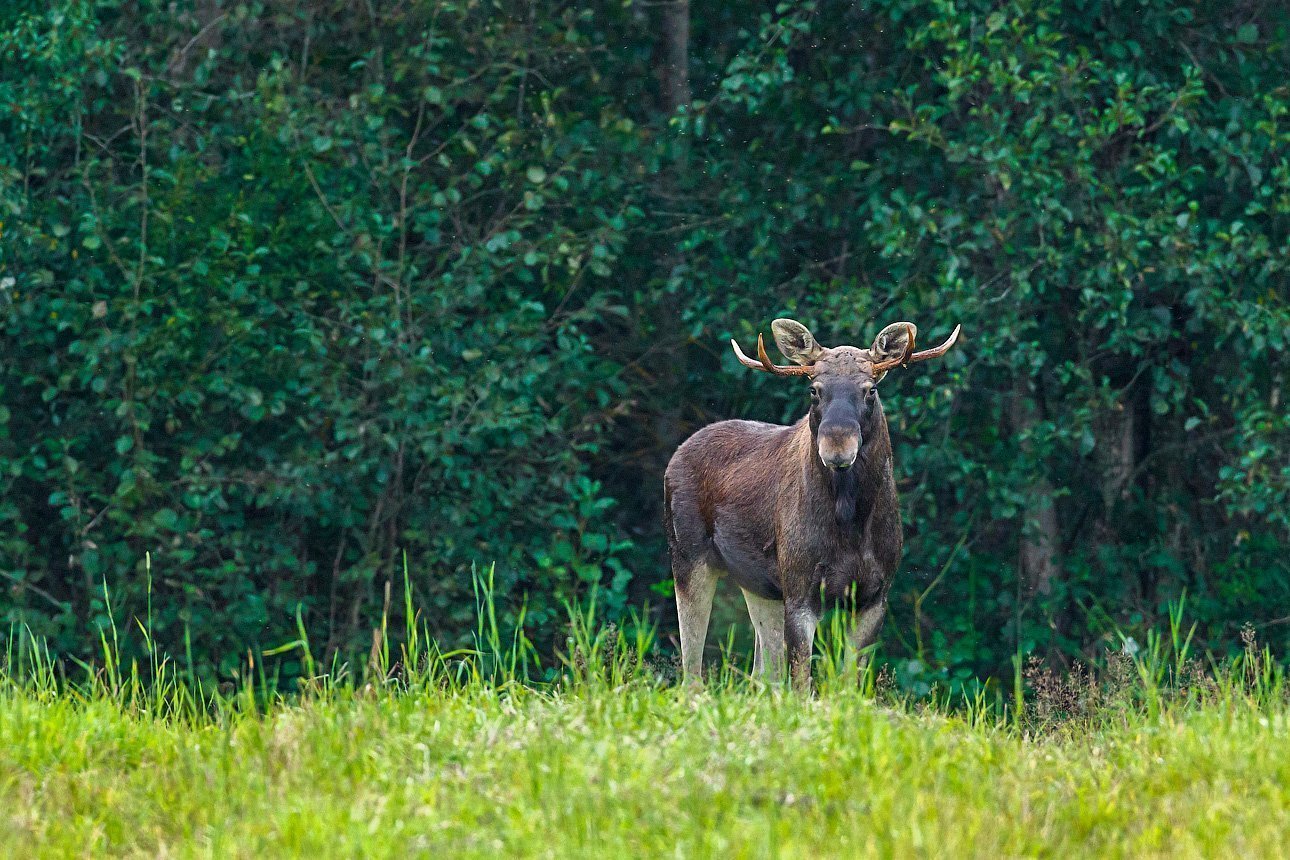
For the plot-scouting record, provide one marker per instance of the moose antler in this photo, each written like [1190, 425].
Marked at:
[764, 364]
[910, 356]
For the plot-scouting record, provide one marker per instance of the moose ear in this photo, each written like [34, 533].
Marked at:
[795, 341]
[896, 341]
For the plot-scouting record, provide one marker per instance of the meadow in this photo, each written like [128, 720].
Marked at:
[457, 755]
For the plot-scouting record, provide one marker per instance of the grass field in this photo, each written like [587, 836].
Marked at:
[635, 772]
[459, 759]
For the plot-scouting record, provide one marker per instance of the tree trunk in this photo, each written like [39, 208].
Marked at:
[672, 57]
[1040, 534]
[1040, 540]
[1124, 440]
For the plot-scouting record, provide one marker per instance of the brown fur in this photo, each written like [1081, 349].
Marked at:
[756, 502]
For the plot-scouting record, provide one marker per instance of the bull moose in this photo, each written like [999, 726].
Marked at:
[801, 517]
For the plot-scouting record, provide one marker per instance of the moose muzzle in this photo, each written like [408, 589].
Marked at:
[839, 444]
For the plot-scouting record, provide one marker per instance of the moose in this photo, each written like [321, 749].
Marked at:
[801, 517]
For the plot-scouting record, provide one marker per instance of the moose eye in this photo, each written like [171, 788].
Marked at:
[871, 394]
[815, 395]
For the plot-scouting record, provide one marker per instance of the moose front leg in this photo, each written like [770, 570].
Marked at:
[800, 621]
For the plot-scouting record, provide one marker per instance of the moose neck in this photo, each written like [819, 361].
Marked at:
[851, 491]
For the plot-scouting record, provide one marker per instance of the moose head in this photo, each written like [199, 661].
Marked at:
[844, 380]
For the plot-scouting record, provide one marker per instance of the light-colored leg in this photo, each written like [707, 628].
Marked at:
[768, 621]
[693, 609]
[800, 621]
[865, 627]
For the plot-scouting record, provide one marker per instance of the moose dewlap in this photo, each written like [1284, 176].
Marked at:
[801, 517]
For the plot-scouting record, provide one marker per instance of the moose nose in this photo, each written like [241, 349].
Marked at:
[839, 450]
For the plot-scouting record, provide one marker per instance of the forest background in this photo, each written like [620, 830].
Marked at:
[289, 290]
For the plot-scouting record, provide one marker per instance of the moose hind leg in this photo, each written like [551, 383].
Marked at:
[865, 626]
[768, 622]
[693, 609]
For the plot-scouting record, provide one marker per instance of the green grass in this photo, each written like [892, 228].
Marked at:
[637, 771]
[457, 758]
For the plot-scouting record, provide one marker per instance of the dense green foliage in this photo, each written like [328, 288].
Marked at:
[288, 290]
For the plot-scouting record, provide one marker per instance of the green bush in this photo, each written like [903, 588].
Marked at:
[289, 290]
[278, 328]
